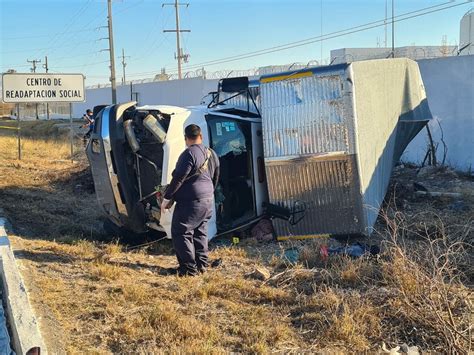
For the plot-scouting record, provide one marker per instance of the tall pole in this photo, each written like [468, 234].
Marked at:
[45, 66]
[179, 53]
[33, 70]
[385, 22]
[123, 66]
[321, 32]
[393, 28]
[178, 46]
[112, 53]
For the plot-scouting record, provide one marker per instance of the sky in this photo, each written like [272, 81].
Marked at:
[72, 33]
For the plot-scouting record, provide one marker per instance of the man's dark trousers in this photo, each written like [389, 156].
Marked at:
[189, 233]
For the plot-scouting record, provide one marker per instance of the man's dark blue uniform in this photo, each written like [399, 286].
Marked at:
[192, 188]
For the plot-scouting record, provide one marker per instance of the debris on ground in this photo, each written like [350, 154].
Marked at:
[263, 231]
[260, 273]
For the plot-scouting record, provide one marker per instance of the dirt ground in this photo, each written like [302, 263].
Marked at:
[96, 295]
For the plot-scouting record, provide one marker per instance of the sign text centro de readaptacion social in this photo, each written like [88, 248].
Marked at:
[21, 88]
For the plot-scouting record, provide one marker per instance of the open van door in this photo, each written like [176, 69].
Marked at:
[241, 190]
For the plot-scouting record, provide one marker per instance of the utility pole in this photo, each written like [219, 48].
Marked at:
[321, 31]
[112, 53]
[393, 28]
[33, 70]
[179, 53]
[124, 65]
[45, 66]
[385, 22]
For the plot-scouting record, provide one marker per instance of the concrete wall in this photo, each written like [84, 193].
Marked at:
[184, 92]
[344, 55]
[449, 84]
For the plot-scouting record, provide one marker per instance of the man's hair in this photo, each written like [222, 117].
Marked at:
[192, 131]
[88, 110]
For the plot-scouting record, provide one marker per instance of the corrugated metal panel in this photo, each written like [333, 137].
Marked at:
[329, 188]
[305, 116]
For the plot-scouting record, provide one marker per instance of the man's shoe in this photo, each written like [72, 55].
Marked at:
[216, 263]
[182, 272]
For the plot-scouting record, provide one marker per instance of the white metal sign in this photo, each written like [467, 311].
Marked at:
[19, 88]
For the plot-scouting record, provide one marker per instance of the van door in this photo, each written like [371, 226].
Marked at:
[235, 195]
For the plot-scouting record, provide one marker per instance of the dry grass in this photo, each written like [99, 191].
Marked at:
[34, 149]
[97, 297]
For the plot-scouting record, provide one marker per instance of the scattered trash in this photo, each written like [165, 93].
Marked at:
[292, 255]
[303, 237]
[402, 349]
[419, 187]
[263, 230]
[439, 194]
[459, 206]
[354, 251]
[427, 171]
[260, 273]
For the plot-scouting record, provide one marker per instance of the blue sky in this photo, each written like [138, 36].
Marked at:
[67, 32]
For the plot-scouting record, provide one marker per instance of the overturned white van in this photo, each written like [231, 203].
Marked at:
[313, 147]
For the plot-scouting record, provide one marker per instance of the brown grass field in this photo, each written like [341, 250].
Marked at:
[95, 295]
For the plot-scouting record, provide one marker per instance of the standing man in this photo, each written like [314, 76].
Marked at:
[192, 188]
[89, 118]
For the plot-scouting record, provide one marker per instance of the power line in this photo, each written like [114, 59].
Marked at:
[46, 48]
[74, 18]
[336, 34]
[45, 35]
[331, 35]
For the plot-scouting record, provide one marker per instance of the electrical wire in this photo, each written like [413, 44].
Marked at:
[73, 19]
[340, 33]
[45, 35]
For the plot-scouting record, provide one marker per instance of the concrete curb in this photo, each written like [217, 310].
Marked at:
[26, 338]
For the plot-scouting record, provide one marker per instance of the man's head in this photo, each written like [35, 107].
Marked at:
[89, 112]
[192, 135]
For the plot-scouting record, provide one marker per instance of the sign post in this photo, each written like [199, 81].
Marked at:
[43, 88]
[72, 132]
[18, 132]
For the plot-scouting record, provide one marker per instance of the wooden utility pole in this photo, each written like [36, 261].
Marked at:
[179, 56]
[393, 28]
[385, 22]
[33, 70]
[112, 53]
